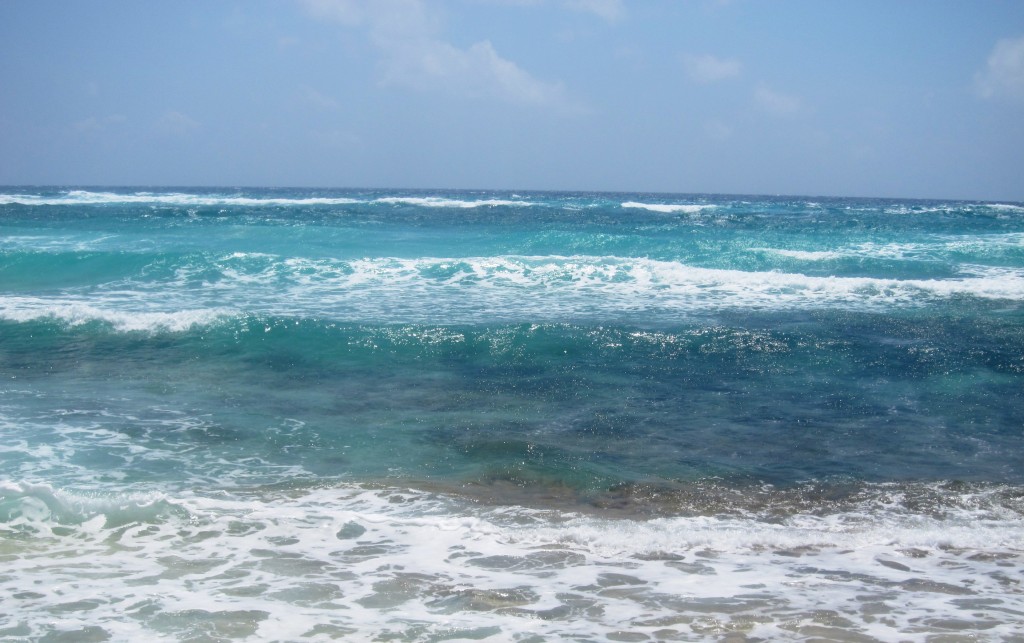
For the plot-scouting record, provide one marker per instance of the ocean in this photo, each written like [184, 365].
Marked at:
[384, 415]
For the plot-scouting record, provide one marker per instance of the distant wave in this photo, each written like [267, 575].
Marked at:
[950, 208]
[935, 249]
[1006, 206]
[668, 208]
[85, 197]
[438, 202]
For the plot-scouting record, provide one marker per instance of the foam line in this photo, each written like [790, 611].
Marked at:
[667, 208]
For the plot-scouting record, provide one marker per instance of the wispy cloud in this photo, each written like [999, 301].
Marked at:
[705, 68]
[173, 123]
[414, 55]
[478, 72]
[610, 10]
[1003, 75]
[316, 99]
[718, 130]
[95, 124]
[777, 102]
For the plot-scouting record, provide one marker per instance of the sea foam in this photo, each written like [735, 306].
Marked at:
[668, 208]
[86, 197]
[75, 312]
[349, 560]
[454, 290]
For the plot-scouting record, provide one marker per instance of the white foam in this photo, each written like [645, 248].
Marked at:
[79, 197]
[354, 562]
[802, 255]
[668, 208]
[937, 248]
[75, 312]
[1006, 206]
[85, 197]
[504, 288]
[55, 243]
[439, 202]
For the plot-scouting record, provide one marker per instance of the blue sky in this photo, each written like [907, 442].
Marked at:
[852, 98]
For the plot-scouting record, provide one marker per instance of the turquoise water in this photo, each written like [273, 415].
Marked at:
[442, 415]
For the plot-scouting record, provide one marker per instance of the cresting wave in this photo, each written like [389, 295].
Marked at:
[455, 290]
[939, 248]
[73, 312]
[84, 197]
[437, 202]
[668, 208]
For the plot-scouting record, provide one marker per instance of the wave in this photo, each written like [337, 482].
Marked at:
[1006, 206]
[78, 312]
[940, 249]
[26, 505]
[473, 289]
[668, 208]
[85, 197]
[420, 565]
[439, 202]
[55, 243]
[956, 208]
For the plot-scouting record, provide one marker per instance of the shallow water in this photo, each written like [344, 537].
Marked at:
[288, 414]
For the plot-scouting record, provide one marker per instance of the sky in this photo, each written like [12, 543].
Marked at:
[872, 98]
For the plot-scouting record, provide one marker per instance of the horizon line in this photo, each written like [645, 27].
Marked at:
[170, 186]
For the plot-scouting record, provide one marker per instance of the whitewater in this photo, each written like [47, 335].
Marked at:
[394, 415]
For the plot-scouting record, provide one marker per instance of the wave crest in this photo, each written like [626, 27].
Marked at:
[668, 208]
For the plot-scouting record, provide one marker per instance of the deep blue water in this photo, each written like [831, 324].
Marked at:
[633, 357]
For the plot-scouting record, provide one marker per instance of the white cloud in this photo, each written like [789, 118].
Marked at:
[95, 124]
[347, 12]
[335, 138]
[705, 68]
[317, 100]
[1004, 72]
[777, 102]
[718, 130]
[477, 71]
[405, 33]
[610, 10]
[174, 123]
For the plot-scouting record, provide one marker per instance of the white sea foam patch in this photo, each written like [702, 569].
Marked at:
[85, 197]
[353, 562]
[559, 283]
[668, 208]
[77, 311]
[1011, 207]
[803, 255]
[940, 248]
[56, 243]
[958, 208]
[461, 290]
[440, 202]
